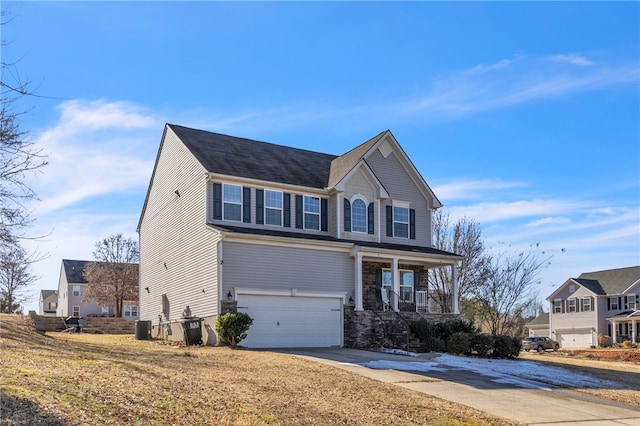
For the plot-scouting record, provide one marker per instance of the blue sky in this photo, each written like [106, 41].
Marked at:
[522, 116]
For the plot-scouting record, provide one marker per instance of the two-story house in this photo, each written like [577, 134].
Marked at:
[602, 302]
[302, 241]
[48, 303]
[72, 286]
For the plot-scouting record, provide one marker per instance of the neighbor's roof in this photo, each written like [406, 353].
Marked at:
[256, 160]
[611, 281]
[74, 270]
[542, 319]
[47, 293]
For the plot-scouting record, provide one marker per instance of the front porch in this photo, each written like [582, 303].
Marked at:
[625, 327]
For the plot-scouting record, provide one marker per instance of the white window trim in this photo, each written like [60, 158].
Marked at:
[571, 305]
[586, 307]
[400, 272]
[611, 300]
[305, 212]
[73, 311]
[366, 212]
[281, 208]
[394, 221]
[557, 306]
[231, 202]
[73, 290]
[631, 301]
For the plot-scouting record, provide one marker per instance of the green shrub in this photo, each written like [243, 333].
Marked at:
[232, 328]
[459, 343]
[482, 345]
[506, 347]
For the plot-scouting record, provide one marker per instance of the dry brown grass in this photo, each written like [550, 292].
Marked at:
[607, 364]
[80, 379]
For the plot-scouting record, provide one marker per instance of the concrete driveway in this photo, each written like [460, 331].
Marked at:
[536, 405]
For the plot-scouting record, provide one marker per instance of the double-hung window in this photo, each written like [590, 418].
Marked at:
[232, 202]
[631, 301]
[571, 305]
[130, 311]
[400, 222]
[613, 304]
[311, 212]
[586, 304]
[273, 207]
[75, 311]
[557, 306]
[76, 290]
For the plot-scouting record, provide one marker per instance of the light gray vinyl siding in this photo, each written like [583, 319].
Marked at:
[574, 320]
[401, 187]
[177, 249]
[271, 267]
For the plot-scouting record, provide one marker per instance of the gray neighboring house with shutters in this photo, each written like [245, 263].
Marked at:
[311, 245]
[602, 302]
[72, 285]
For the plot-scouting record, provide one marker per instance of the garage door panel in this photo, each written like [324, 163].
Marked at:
[574, 339]
[285, 321]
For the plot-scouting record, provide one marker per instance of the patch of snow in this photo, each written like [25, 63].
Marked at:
[525, 374]
[396, 352]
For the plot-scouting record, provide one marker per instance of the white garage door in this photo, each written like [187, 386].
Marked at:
[290, 322]
[574, 339]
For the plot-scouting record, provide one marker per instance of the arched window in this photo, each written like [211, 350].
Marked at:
[358, 216]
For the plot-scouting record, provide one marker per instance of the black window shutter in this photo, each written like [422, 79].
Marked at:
[286, 209]
[323, 215]
[260, 206]
[608, 303]
[619, 302]
[347, 215]
[370, 215]
[217, 201]
[378, 281]
[416, 281]
[299, 223]
[389, 221]
[412, 224]
[246, 204]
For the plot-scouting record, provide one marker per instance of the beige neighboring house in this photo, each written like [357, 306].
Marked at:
[539, 326]
[72, 285]
[311, 245]
[48, 303]
[602, 302]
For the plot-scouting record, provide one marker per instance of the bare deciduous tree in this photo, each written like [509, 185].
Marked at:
[463, 238]
[509, 288]
[18, 154]
[15, 277]
[113, 278]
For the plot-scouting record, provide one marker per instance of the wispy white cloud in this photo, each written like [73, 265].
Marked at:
[571, 58]
[473, 189]
[95, 147]
[519, 209]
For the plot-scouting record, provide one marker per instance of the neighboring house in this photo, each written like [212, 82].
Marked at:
[48, 302]
[306, 243]
[602, 302]
[72, 285]
[539, 326]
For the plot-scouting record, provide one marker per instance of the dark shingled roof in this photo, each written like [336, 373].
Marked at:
[234, 156]
[74, 269]
[46, 293]
[320, 237]
[542, 319]
[611, 281]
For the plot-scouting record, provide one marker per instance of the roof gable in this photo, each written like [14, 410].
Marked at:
[608, 282]
[74, 270]
[240, 157]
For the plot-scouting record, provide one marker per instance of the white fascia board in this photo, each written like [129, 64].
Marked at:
[289, 293]
[265, 184]
[377, 253]
[286, 242]
[566, 283]
[628, 289]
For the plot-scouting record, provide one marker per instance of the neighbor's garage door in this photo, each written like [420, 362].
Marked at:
[289, 322]
[574, 339]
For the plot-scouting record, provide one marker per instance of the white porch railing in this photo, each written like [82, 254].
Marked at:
[422, 301]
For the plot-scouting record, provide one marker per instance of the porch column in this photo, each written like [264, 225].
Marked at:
[358, 286]
[454, 280]
[634, 331]
[396, 283]
[614, 332]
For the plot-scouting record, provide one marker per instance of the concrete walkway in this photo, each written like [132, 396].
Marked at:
[543, 405]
